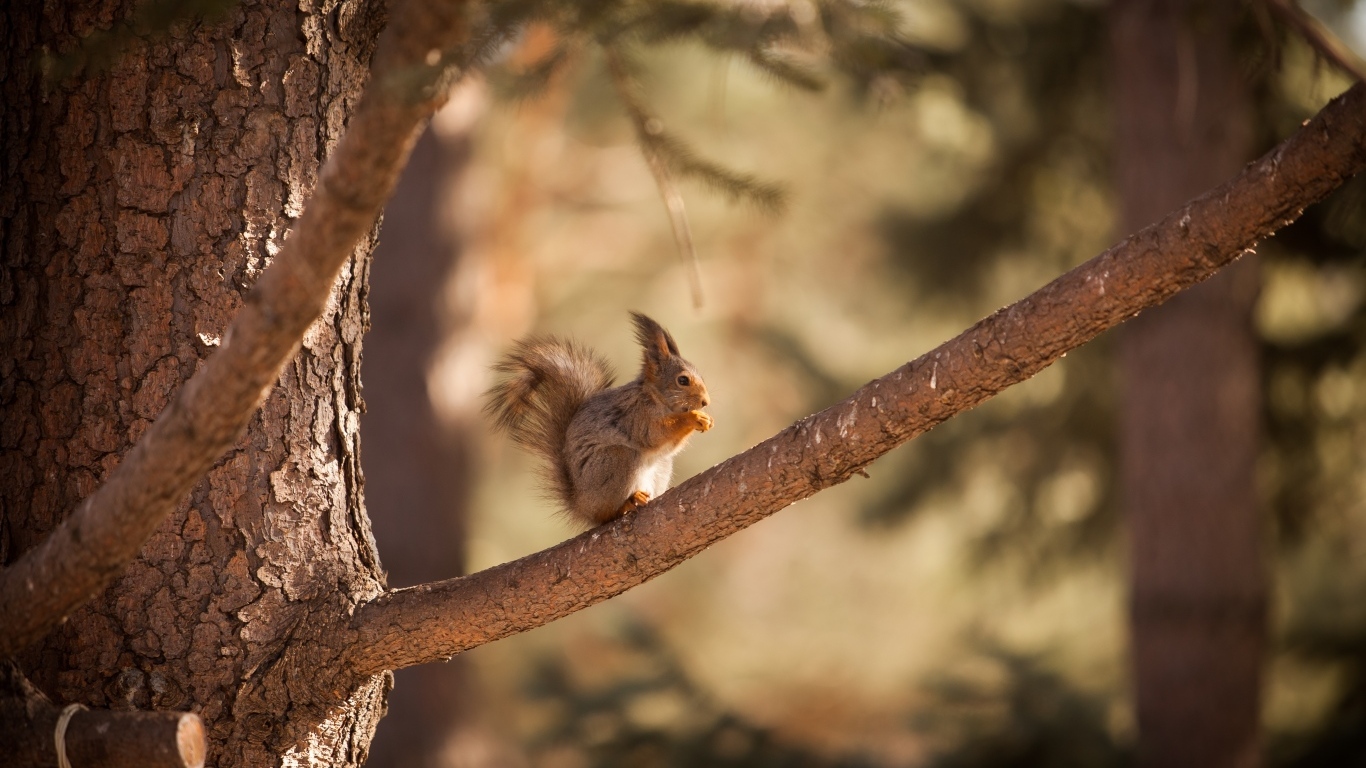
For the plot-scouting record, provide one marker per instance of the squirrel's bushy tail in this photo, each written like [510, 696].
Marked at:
[546, 380]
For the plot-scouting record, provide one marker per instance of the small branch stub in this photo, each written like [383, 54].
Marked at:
[93, 738]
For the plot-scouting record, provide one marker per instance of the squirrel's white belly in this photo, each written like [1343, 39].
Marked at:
[654, 473]
[646, 479]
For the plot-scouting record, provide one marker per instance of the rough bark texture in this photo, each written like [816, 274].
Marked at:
[139, 205]
[432, 621]
[1191, 403]
[418, 465]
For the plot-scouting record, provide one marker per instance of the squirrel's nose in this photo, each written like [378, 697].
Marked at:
[705, 401]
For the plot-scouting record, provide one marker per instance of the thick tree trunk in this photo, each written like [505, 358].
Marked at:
[139, 204]
[1190, 414]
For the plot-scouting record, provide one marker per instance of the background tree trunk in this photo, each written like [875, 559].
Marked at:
[1191, 402]
[419, 462]
[140, 202]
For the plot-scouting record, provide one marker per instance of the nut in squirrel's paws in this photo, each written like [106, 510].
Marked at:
[704, 421]
[636, 501]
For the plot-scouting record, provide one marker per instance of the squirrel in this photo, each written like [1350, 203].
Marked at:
[607, 450]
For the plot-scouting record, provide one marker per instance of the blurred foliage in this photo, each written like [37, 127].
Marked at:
[1327, 631]
[1036, 719]
[1057, 457]
[651, 715]
[1315, 383]
[1013, 145]
[1039, 79]
[1314, 373]
[858, 39]
[1009, 710]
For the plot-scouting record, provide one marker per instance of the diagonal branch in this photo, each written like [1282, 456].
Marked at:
[434, 621]
[92, 546]
[1319, 37]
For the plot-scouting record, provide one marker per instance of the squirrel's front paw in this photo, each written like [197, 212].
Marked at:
[703, 421]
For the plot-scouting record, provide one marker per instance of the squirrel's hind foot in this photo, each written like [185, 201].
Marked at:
[636, 501]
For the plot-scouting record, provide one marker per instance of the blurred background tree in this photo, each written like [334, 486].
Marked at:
[1189, 418]
[932, 160]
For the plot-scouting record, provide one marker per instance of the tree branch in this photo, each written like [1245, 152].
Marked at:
[435, 621]
[1319, 37]
[95, 542]
[95, 738]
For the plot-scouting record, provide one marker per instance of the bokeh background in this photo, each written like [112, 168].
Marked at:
[965, 605]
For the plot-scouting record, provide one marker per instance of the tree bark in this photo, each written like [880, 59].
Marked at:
[140, 204]
[1191, 402]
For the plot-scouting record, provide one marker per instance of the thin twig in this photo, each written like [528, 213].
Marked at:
[647, 127]
[1319, 37]
[678, 222]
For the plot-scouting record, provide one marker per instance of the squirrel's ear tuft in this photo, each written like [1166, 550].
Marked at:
[656, 342]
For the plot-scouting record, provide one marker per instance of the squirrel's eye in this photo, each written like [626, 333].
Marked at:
[684, 381]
